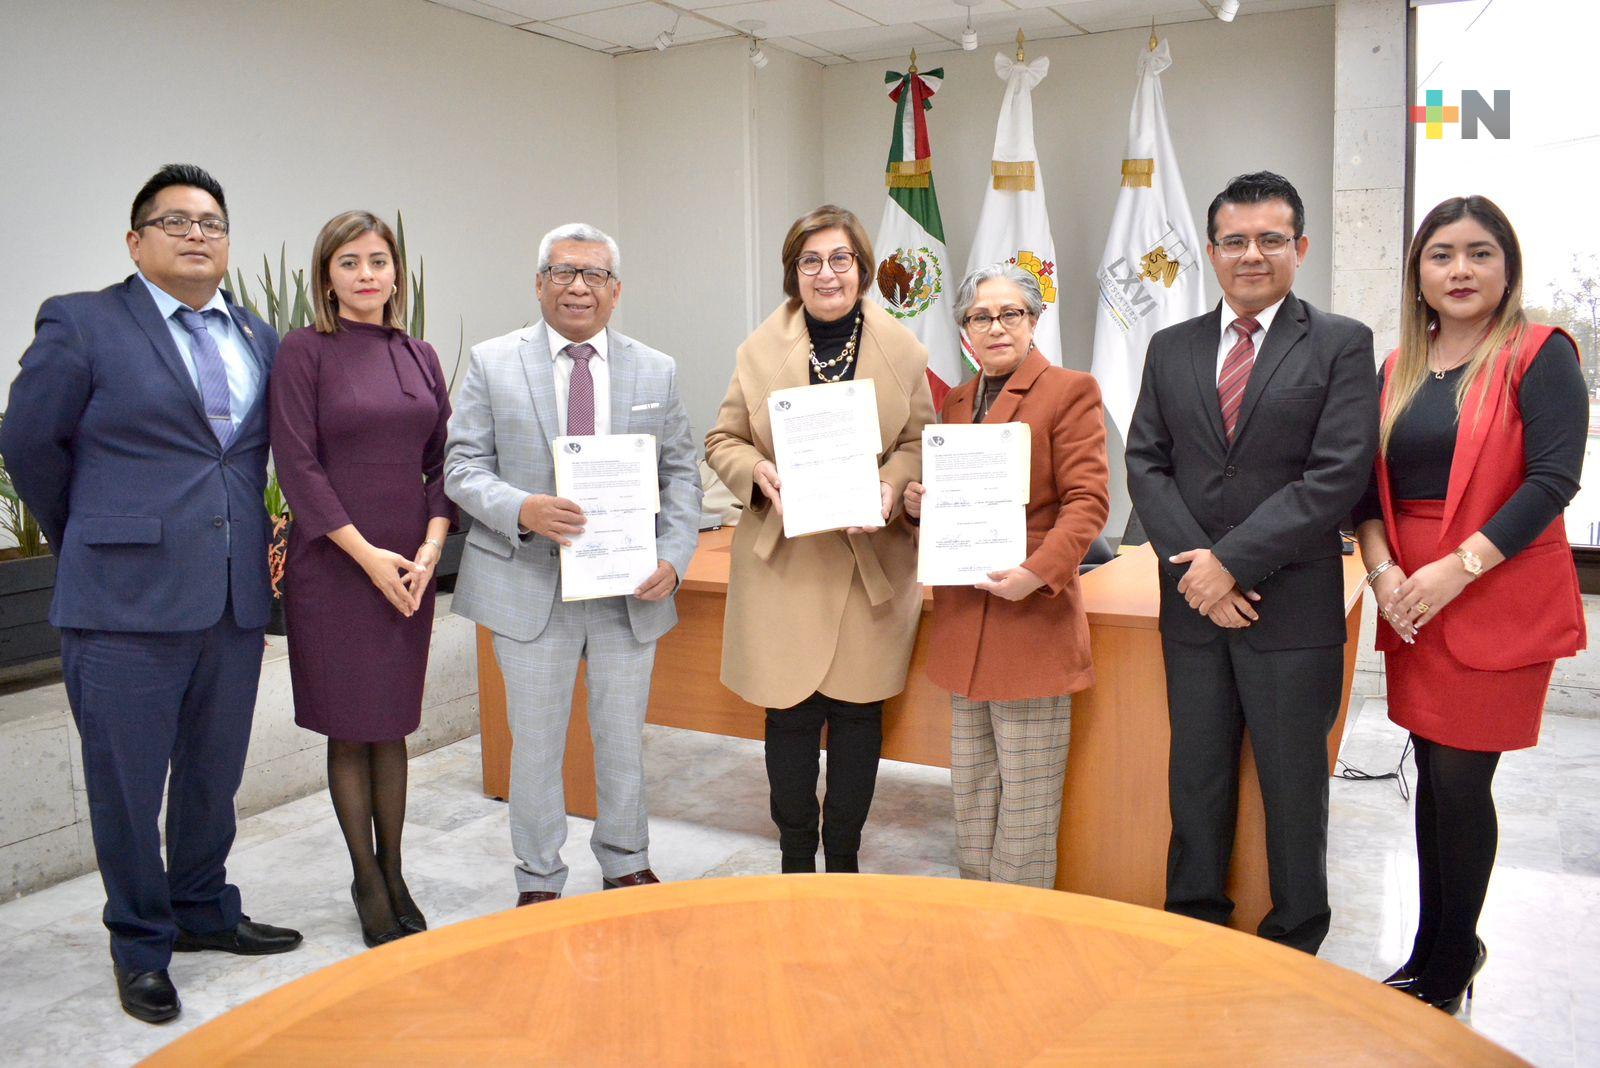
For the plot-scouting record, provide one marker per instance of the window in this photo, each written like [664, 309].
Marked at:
[1502, 115]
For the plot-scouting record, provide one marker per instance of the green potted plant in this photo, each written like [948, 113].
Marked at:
[27, 582]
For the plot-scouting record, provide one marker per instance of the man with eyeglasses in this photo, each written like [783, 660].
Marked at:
[568, 374]
[1252, 439]
[137, 433]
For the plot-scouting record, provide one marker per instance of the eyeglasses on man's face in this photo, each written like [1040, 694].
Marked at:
[839, 262]
[176, 225]
[981, 321]
[1271, 243]
[564, 274]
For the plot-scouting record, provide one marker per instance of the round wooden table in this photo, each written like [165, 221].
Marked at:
[832, 969]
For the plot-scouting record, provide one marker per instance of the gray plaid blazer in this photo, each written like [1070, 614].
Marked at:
[499, 453]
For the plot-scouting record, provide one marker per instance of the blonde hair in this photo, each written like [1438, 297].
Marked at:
[1418, 321]
[336, 233]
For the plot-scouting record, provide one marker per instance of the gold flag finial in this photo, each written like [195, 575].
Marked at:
[1020, 57]
[913, 68]
[1153, 41]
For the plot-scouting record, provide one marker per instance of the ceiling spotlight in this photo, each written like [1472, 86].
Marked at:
[664, 38]
[758, 58]
[1226, 9]
[969, 36]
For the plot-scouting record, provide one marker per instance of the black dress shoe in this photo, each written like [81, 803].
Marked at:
[534, 897]
[147, 996]
[247, 938]
[638, 878]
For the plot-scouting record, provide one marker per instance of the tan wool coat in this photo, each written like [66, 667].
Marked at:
[829, 612]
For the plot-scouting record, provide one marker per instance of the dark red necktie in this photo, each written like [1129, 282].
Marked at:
[1236, 373]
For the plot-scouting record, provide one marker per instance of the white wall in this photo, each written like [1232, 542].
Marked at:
[1256, 94]
[482, 136]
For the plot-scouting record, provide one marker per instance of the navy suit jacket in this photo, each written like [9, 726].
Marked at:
[152, 522]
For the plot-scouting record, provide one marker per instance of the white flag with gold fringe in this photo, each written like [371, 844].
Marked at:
[1150, 274]
[1013, 225]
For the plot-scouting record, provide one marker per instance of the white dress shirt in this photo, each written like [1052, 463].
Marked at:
[598, 370]
[244, 376]
[1230, 337]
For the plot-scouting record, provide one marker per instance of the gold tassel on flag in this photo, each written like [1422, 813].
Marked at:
[1137, 172]
[1012, 176]
[910, 174]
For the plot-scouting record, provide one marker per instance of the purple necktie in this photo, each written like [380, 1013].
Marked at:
[213, 374]
[580, 391]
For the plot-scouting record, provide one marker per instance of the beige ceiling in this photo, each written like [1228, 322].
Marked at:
[839, 31]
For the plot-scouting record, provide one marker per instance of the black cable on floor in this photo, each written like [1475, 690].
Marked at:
[1346, 770]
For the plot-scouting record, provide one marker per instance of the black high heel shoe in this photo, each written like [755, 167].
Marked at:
[372, 938]
[1401, 980]
[1452, 1004]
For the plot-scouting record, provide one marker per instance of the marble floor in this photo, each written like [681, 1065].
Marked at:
[1539, 996]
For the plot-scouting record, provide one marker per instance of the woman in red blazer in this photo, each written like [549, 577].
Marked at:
[1014, 648]
[1481, 446]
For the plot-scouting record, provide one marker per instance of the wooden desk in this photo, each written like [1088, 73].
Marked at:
[832, 969]
[1115, 822]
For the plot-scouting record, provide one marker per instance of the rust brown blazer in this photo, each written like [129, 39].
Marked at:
[985, 647]
[827, 612]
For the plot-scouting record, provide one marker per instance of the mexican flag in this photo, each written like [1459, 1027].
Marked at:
[1150, 274]
[1013, 225]
[912, 284]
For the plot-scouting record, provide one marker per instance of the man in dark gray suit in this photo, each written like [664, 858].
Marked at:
[1253, 437]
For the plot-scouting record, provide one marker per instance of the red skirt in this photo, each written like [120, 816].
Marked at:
[1434, 695]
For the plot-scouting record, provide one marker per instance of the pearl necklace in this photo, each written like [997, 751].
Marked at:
[845, 357]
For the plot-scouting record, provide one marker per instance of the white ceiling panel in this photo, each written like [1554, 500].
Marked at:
[877, 41]
[483, 11]
[582, 40]
[899, 12]
[1038, 23]
[635, 25]
[790, 18]
[539, 10]
[1097, 16]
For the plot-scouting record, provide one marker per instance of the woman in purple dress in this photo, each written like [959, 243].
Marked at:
[359, 412]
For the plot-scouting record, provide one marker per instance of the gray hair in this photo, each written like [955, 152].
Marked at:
[967, 291]
[585, 234]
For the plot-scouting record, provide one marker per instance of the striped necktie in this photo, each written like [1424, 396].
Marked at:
[580, 391]
[212, 372]
[1236, 373]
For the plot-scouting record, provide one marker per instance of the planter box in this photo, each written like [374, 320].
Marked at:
[26, 586]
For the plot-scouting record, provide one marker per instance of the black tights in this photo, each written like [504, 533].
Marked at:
[794, 749]
[1457, 834]
[367, 781]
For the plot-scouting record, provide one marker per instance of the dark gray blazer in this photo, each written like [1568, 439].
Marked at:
[1271, 504]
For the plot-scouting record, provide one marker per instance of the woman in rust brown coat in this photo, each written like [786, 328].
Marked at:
[1013, 649]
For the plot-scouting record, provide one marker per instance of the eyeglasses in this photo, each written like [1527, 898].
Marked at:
[838, 262]
[564, 274]
[180, 225]
[981, 321]
[1271, 244]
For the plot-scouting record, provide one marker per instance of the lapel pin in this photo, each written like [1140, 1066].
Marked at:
[249, 333]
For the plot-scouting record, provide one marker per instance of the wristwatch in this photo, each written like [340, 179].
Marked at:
[1471, 561]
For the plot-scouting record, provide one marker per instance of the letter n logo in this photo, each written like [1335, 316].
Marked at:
[1475, 110]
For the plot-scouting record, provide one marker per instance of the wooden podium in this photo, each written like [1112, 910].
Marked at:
[1114, 818]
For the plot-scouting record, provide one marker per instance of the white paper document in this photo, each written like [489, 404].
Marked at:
[826, 440]
[975, 501]
[612, 477]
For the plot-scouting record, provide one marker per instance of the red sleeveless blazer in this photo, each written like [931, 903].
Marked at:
[1527, 610]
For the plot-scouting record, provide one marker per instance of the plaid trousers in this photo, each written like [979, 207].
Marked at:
[1008, 760]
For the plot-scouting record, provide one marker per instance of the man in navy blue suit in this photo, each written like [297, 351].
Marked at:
[137, 433]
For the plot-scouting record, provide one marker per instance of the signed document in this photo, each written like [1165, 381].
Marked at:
[975, 503]
[612, 477]
[827, 444]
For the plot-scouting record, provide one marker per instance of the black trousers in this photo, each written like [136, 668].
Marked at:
[794, 750]
[1288, 700]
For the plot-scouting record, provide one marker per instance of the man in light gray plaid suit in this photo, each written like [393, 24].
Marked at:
[568, 374]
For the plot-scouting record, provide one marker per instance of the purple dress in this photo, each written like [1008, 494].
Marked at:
[358, 435]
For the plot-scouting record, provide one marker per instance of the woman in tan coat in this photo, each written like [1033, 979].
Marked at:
[819, 629]
[1013, 649]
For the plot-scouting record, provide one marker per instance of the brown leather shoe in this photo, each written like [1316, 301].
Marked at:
[638, 878]
[534, 897]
